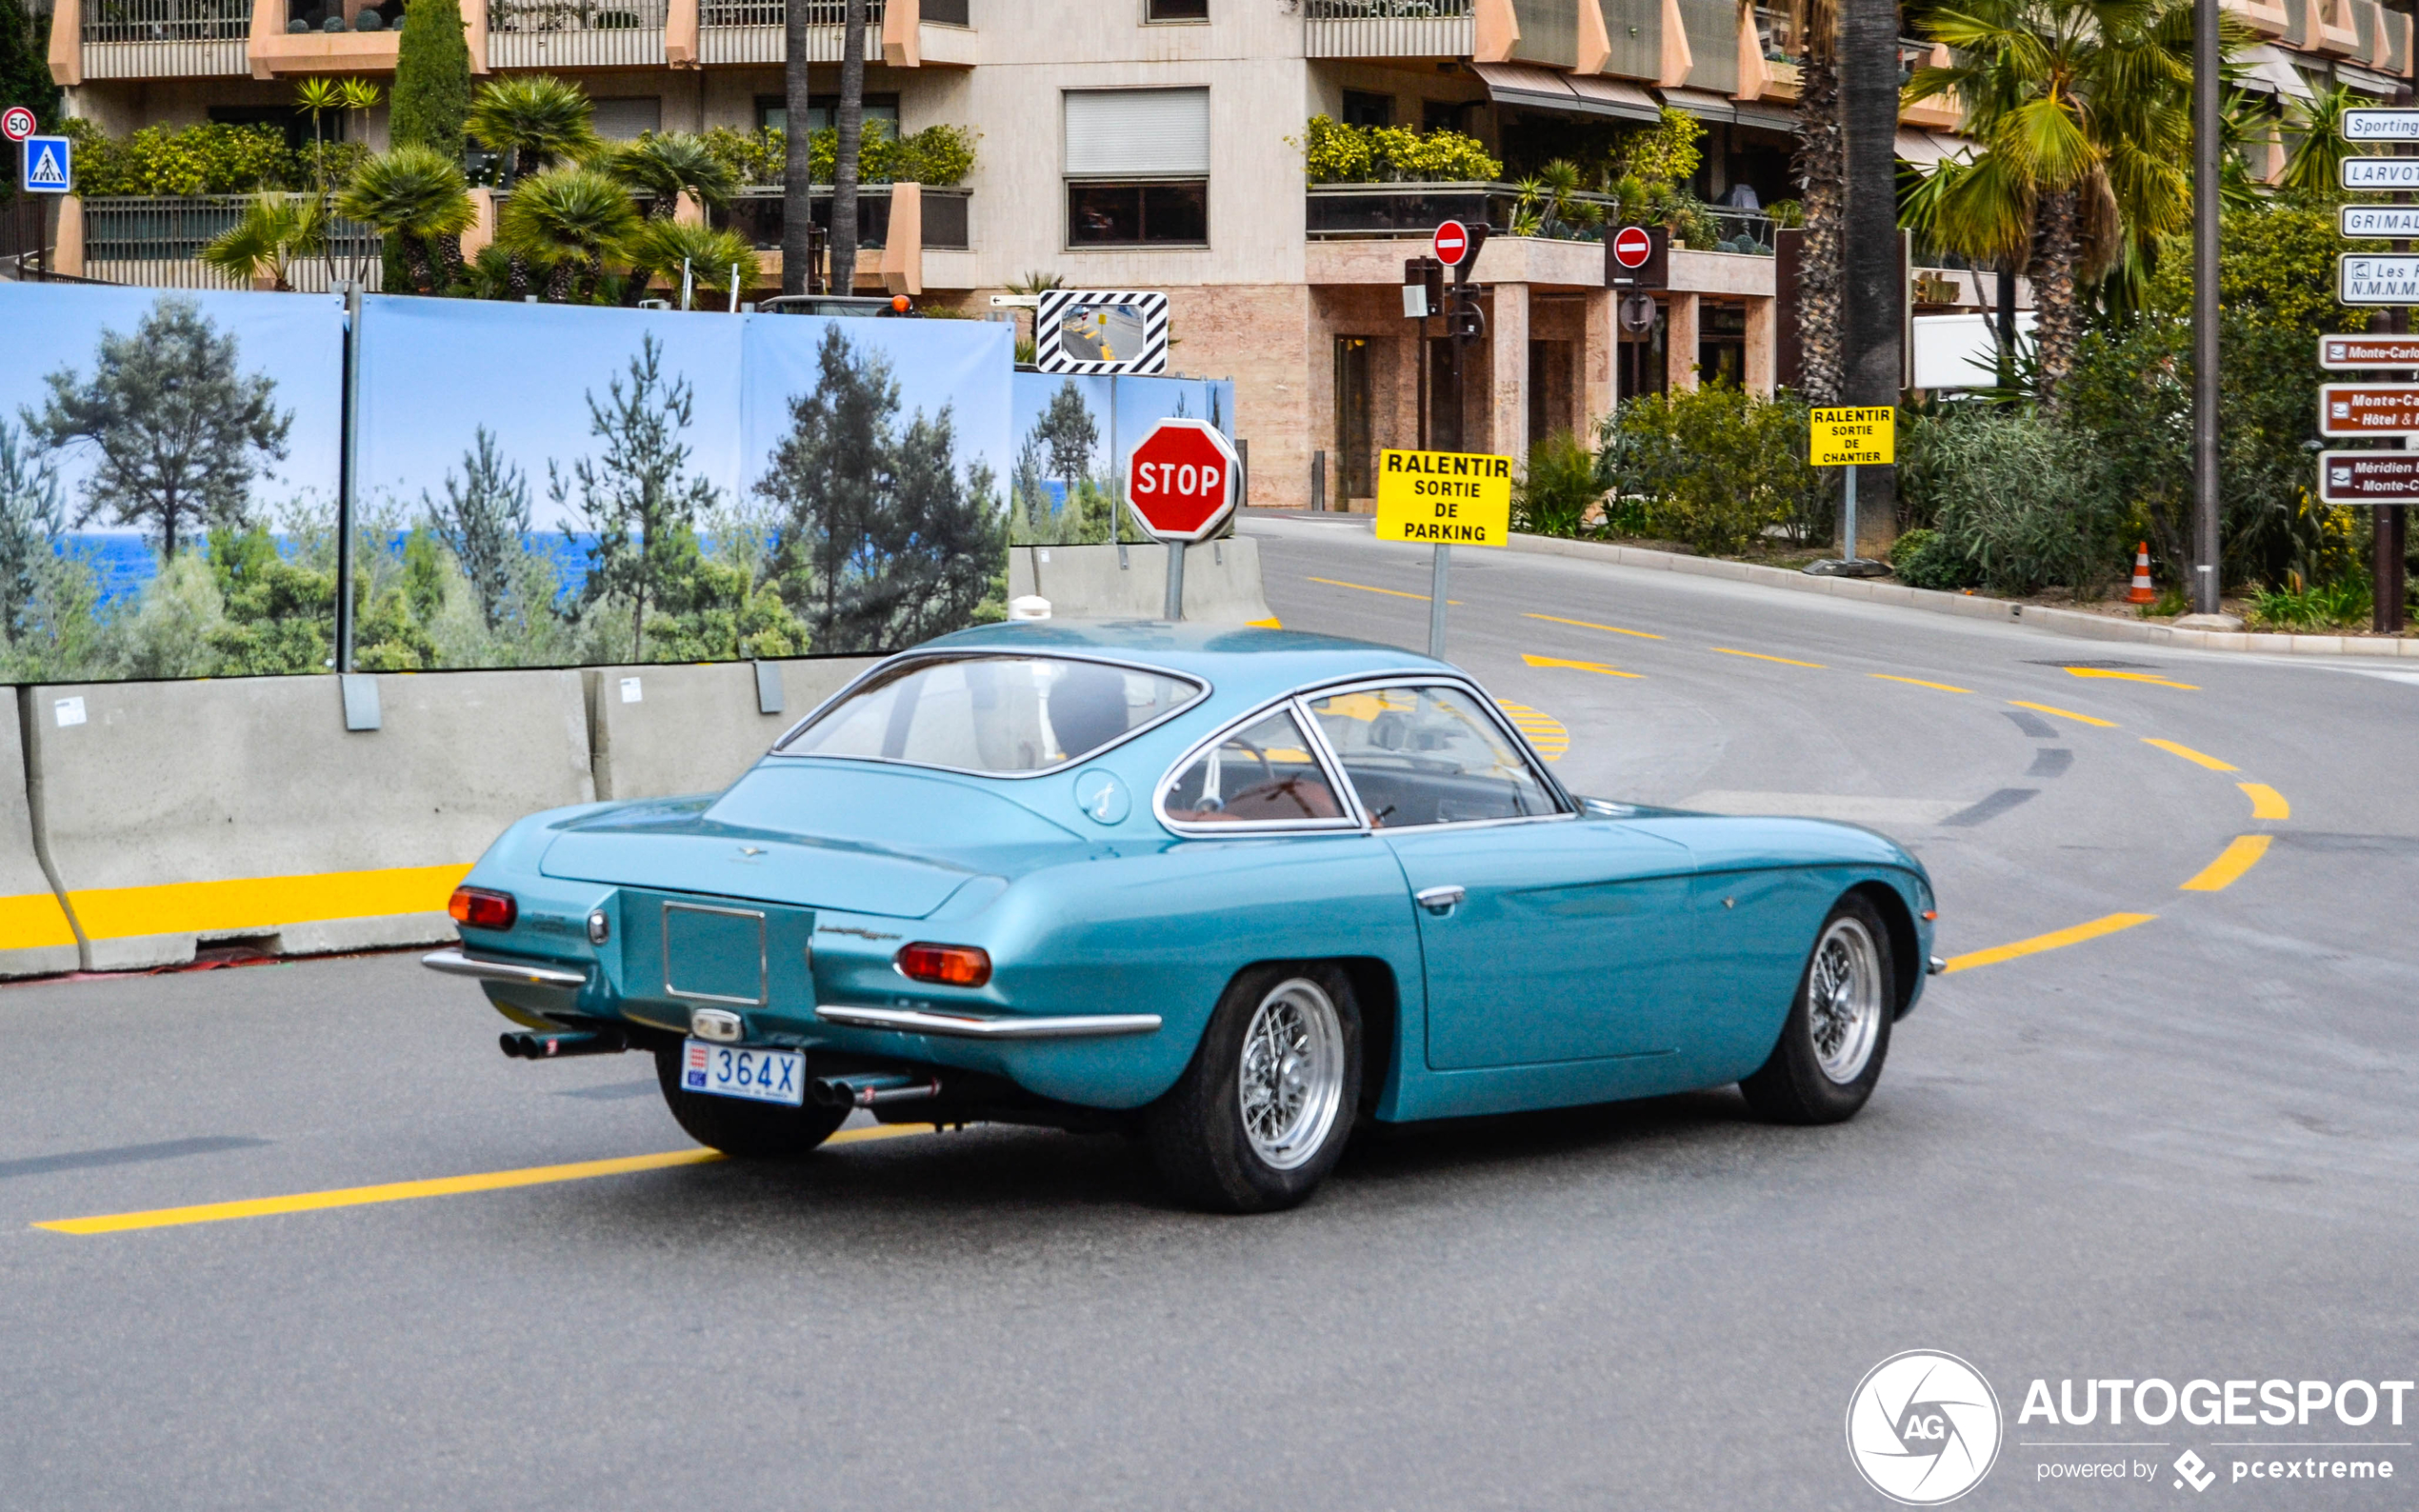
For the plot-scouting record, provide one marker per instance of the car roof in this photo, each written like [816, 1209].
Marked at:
[1242, 663]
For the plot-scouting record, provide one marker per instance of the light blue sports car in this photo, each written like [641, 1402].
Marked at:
[1233, 889]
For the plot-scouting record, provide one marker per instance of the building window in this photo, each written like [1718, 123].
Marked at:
[1361, 109]
[823, 111]
[623, 120]
[1442, 115]
[1175, 10]
[1137, 167]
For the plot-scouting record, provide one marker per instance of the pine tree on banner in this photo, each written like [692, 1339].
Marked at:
[178, 427]
[640, 500]
[483, 520]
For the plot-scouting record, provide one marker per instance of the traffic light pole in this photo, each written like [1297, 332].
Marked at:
[1461, 325]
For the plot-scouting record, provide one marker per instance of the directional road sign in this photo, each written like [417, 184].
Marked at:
[50, 165]
[1181, 481]
[2369, 477]
[2357, 354]
[2368, 409]
[1453, 243]
[2381, 220]
[2380, 126]
[2381, 172]
[1444, 497]
[1848, 435]
[2377, 278]
[16, 123]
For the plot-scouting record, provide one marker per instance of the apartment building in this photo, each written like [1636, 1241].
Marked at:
[1156, 143]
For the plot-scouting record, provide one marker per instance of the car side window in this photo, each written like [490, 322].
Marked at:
[1429, 756]
[1262, 774]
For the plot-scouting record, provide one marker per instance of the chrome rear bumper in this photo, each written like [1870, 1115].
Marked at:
[454, 964]
[974, 1027]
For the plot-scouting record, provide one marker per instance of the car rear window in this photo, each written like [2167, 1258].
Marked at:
[993, 714]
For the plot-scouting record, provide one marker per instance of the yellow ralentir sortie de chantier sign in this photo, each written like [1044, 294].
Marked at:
[1444, 497]
[1849, 436]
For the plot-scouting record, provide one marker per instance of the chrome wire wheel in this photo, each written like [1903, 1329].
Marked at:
[1845, 999]
[1292, 1076]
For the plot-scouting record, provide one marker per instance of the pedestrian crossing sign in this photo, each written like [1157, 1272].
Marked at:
[50, 165]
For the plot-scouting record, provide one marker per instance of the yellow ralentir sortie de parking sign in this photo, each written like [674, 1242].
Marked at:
[1847, 435]
[1444, 497]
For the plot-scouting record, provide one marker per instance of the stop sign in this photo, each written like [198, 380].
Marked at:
[1181, 481]
[1453, 243]
[1631, 246]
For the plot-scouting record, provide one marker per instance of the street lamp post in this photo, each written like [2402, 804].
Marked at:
[2206, 576]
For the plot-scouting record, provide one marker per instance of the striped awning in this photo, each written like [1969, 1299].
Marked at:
[1526, 87]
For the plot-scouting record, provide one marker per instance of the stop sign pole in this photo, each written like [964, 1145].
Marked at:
[1181, 485]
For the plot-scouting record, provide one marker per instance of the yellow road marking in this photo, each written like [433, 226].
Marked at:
[1545, 732]
[1392, 593]
[1581, 667]
[408, 1191]
[1590, 625]
[2189, 754]
[2064, 714]
[251, 903]
[1919, 683]
[2055, 939]
[2267, 803]
[1269, 624]
[2241, 854]
[1761, 657]
[2132, 677]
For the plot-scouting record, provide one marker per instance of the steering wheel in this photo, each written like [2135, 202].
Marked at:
[1268, 769]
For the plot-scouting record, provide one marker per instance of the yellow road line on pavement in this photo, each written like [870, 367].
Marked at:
[2133, 677]
[1392, 593]
[1547, 733]
[2054, 940]
[1591, 625]
[2064, 714]
[1761, 657]
[1918, 681]
[1578, 666]
[408, 1191]
[2241, 854]
[2190, 755]
[2267, 803]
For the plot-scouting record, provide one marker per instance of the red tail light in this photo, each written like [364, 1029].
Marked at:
[951, 966]
[482, 909]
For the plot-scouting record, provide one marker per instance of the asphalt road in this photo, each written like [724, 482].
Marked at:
[2181, 1148]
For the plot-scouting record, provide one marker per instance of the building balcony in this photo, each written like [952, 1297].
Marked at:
[575, 33]
[163, 39]
[901, 33]
[324, 36]
[760, 212]
[2267, 17]
[1388, 28]
[156, 242]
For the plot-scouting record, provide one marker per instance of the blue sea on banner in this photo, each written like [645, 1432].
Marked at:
[124, 561]
[552, 388]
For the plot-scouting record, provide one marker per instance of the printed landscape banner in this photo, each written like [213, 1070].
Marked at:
[1074, 436]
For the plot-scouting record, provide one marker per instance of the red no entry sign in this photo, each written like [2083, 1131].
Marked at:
[1181, 483]
[1453, 243]
[16, 123]
[1631, 246]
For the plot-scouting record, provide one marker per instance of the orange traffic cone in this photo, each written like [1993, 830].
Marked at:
[2142, 594]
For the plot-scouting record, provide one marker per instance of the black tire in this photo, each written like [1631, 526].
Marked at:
[1795, 1086]
[743, 1130]
[1198, 1133]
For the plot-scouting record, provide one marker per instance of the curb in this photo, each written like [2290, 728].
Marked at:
[2063, 622]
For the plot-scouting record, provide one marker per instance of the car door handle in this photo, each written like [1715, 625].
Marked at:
[1439, 900]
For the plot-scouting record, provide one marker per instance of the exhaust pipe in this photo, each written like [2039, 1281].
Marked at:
[867, 1088]
[554, 1045]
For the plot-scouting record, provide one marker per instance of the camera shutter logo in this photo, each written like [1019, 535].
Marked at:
[1923, 1427]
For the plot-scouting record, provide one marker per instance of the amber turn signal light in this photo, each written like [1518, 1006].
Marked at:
[951, 966]
[482, 909]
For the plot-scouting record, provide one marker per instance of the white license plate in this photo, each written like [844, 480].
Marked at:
[736, 1070]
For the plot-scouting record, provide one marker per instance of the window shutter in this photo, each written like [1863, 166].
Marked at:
[622, 120]
[1115, 133]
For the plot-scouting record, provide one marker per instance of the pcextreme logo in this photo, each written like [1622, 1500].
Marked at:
[1923, 1427]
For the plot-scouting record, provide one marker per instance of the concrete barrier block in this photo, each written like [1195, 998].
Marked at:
[1222, 581]
[178, 813]
[35, 936]
[664, 728]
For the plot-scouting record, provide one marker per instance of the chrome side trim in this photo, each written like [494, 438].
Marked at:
[1934, 967]
[976, 1026]
[454, 964]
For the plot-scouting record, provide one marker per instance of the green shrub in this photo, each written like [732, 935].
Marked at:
[1921, 559]
[1333, 152]
[433, 80]
[1714, 467]
[1553, 496]
[207, 159]
[938, 155]
[2024, 504]
[2347, 601]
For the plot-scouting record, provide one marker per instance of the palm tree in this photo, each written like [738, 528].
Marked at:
[568, 221]
[2315, 165]
[850, 120]
[277, 231]
[1822, 170]
[668, 165]
[2082, 112]
[532, 120]
[319, 95]
[416, 195]
[662, 247]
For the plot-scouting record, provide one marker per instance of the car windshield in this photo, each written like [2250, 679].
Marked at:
[993, 714]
